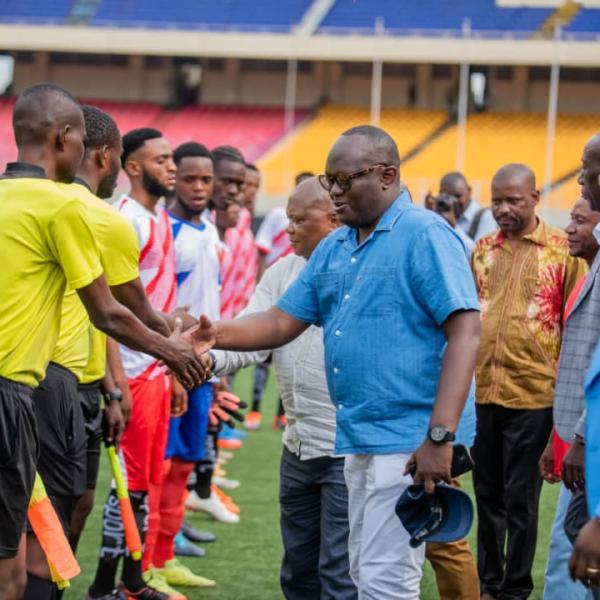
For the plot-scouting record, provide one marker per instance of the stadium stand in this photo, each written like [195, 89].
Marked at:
[130, 115]
[306, 148]
[8, 151]
[425, 15]
[588, 19]
[206, 14]
[33, 11]
[492, 140]
[497, 139]
[253, 130]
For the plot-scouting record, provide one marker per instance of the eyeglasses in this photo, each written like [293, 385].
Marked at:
[344, 181]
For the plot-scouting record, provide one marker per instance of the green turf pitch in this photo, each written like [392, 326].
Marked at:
[245, 559]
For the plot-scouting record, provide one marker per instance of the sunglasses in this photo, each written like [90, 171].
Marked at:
[344, 181]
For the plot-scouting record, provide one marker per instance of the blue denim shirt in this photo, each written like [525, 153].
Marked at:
[382, 305]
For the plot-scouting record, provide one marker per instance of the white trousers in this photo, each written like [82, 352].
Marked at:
[382, 564]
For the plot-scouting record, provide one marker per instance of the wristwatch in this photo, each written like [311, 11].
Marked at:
[115, 394]
[440, 435]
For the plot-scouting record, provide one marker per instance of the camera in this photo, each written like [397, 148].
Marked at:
[444, 203]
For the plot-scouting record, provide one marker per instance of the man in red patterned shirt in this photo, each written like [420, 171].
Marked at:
[524, 275]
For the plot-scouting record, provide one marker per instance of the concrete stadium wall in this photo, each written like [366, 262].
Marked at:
[321, 81]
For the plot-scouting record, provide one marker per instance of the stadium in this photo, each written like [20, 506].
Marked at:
[463, 85]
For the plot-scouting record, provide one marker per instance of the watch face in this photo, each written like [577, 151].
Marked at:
[438, 433]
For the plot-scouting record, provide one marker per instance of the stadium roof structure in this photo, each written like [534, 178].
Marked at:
[439, 31]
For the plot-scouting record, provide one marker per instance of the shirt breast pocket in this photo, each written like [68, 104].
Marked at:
[377, 291]
[328, 291]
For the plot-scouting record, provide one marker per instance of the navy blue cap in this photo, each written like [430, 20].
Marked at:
[445, 516]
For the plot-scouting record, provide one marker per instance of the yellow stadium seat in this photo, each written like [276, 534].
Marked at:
[306, 148]
[493, 139]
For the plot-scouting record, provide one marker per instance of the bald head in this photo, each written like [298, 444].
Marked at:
[49, 130]
[362, 176]
[40, 109]
[514, 198]
[309, 193]
[382, 147]
[311, 215]
[589, 178]
[515, 172]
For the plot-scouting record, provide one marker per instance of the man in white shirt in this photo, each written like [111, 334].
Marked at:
[475, 222]
[313, 494]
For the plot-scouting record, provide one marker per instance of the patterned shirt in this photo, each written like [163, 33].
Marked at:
[523, 291]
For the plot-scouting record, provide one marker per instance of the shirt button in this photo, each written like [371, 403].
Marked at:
[336, 370]
[338, 332]
[346, 296]
[340, 406]
[353, 259]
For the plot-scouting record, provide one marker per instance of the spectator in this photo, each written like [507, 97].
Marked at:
[524, 275]
[581, 330]
[476, 222]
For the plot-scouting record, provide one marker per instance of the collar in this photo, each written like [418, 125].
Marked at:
[596, 233]
[199, 226]
[386, 221]
[23, 169]
[469, 213]
[538, 236]
[83, 182]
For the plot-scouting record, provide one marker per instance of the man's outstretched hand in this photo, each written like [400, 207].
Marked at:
[183, 360]
[202, 336]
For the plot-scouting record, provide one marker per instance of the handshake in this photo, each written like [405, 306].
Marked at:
[191, 362]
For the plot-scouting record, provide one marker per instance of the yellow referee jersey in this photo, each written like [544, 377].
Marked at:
[45, 243]
[81, 348]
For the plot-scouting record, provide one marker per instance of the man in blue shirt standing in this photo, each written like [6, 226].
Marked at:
[395, 297]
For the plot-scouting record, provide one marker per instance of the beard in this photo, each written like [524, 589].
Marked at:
[153, 186]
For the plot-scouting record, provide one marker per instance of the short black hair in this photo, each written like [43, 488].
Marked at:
[252, 167]
[384, 146]
[100, 128]
[136, 138]
[36, 109]
[229, 153]
[190, 149]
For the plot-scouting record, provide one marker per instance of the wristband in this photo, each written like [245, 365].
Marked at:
[115, 394]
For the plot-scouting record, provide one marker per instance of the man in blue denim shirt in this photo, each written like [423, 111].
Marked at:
[391, 290]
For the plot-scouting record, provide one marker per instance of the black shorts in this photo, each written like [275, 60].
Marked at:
[19, 450]
[90, 399]
[61, 427]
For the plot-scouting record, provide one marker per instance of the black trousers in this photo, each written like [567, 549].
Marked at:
[507, 482]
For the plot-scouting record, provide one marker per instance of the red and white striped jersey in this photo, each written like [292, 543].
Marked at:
[157, 272]
[245, 260]
[272, 238]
